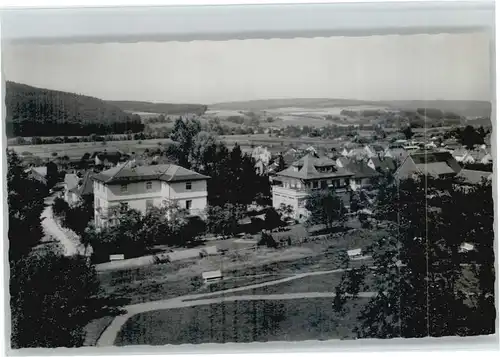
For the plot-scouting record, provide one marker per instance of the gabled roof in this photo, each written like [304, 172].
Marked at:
[384, 163]
[361, 169]
[435, 168]
[474, 177]
[39, 170]
[87, 184]
[427, 158]
[343, 160]
[131, 173]
[316, 161]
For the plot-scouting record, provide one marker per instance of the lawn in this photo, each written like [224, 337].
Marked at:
[312, 283]
[241, 321]
[164, 281]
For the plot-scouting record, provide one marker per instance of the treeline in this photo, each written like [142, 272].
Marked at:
[35, 111]
[165, 108]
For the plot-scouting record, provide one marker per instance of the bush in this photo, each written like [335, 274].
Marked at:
[267, 240]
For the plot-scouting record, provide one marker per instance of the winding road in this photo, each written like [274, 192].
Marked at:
[109, 335]
[71, 245]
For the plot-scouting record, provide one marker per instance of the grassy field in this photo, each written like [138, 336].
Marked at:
[77, 150]
[241, 321]
[156, 282]
[313, 283]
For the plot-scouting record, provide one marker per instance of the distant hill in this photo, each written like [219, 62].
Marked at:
[465, 108]
[292, 102]
[33, 111]
[161, 108]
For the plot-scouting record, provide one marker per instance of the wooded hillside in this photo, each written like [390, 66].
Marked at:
[35, 111]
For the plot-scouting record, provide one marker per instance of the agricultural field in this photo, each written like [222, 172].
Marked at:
[77, 150]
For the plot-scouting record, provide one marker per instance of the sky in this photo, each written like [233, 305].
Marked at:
[389, 67]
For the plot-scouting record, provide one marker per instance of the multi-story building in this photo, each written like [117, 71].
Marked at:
[293, 185]
[142, 187]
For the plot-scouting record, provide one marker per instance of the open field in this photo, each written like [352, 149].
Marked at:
[162, 281]
[241, 321]
[77, 150]
[312, 283]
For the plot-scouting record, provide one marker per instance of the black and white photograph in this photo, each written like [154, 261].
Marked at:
[219, 188]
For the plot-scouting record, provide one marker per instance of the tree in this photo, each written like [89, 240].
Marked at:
[60, 207]
[408, 132]
[52, 298]
[272, 218]
[281, 163]
[184, 133]
[223, 220]
[422, 285]
[202, 151]
[52, 174]
[285, 211]
[25, 204]
[325, 208]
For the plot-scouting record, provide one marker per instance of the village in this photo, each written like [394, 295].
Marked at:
[250, 191]
[315, 203]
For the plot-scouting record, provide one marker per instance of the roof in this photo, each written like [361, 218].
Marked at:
[165, 172]
[435, 168]
[361, 169]
[460, 152]
[71, 181]
[87, 184]
[474, 177]
[427, 158]
[343, 160]
[307, 168]
[384, 163]
[40, 170]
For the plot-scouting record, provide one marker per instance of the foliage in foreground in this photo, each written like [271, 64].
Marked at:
[425, 286]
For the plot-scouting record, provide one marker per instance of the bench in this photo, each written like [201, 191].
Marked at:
[208, 251]
[466, 247]
[211, 276]
[115, 257]
[354, 253]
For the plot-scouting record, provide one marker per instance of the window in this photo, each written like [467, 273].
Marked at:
[189, 203]
[188, 185]
[149, 204]
[315, 184]
[123, 206]
[149, 186]
[123, 188]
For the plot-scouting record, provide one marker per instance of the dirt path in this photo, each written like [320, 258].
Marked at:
[108, 337]
[51, 228]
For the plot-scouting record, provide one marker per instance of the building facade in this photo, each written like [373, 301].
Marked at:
[292, 186]
[143, 187]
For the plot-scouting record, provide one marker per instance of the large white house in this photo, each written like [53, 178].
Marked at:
[142, 187]
[293, 185]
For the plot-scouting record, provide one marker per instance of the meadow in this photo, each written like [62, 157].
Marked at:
[77, 150]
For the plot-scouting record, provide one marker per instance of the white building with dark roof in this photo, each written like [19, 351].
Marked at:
[142, 187]
[294, 184]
